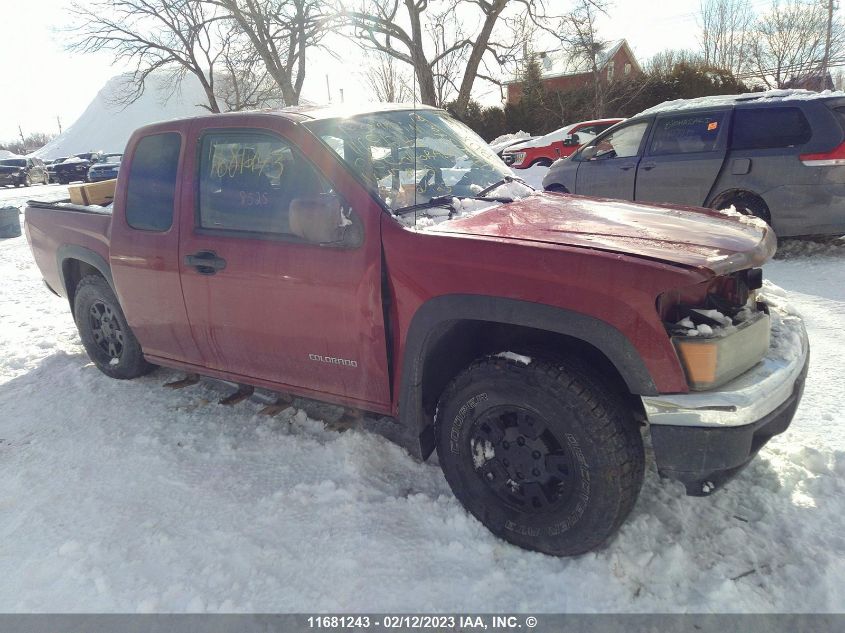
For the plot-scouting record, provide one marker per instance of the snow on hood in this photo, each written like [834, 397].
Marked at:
[726, 100]
[698, 238]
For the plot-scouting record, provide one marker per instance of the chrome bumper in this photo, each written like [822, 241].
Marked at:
[744, 400]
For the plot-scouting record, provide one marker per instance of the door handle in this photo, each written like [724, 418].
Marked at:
[206, 262]
[648, 166]
[625, 167]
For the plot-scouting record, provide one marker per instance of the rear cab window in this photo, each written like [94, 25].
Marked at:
[151, 191]
[766, 128]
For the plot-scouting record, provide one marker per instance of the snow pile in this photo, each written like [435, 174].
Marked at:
[744, 218]
[810, 248]
[501, 142]
[726, 100]
[107, 126]
[519, 358]
[786, 340]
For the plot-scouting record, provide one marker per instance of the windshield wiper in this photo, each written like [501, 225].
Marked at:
[437, 201]
[496, 185]
[446, 202]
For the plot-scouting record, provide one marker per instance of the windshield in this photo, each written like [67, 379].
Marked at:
[112, 158]
[408, 157]
[14, 162]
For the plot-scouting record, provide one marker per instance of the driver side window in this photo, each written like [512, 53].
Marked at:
[254, 182]
[622, 143]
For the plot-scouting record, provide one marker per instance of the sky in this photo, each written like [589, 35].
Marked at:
[41, 80]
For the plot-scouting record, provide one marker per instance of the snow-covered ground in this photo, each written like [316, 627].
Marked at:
[125, 496]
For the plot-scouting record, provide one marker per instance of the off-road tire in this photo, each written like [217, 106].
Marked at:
[93, 304]
[599, 456]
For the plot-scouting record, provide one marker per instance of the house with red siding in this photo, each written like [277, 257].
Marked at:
[562, 73]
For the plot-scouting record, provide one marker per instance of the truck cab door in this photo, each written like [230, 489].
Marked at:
[683, 158]
[608, 165]
[144, 246]
[281, 266]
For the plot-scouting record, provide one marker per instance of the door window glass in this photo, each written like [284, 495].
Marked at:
[152, 182]
[257, 183]
[687, 133]
[762, 128]
[621, 143]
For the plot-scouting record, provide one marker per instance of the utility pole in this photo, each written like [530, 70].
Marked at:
[328, 89]
[827, 44]
[59, 121]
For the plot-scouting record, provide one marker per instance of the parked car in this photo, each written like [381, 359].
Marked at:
[106, 169]
[525, 341]
[778, 155]
[51, 167]
[23, 172]
[74, 168]
[544, 150]
[501, 146]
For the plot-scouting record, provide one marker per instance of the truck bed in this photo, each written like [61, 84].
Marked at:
[57, 228]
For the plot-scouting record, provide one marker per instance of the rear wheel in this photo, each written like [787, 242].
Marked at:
[747, 204]
[544, 454]
[105, 334]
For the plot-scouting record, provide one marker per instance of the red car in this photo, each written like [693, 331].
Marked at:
[547, 149]
[387, 261]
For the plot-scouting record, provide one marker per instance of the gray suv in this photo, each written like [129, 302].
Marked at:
[778, 155]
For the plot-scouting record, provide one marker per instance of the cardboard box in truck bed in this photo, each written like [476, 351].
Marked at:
[100, 193]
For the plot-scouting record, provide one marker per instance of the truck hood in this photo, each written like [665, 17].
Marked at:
[692, 237]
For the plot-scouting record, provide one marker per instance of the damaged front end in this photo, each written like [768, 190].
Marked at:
[745, 355]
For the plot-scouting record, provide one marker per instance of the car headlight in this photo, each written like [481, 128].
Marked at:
[711, 362]
[519, 157]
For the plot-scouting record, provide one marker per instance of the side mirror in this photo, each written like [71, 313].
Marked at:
[588, 153]
[325, 220]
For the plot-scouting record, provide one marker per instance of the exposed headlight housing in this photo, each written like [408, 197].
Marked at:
[711, 362]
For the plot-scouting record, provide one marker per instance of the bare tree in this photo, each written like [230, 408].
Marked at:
[28, 143]
[584, 47]
[282, 32]
[243, 82]
[441, 40]
[726, 32]
[663, 63]
[386, 80]
[791, 41]
[175, 35]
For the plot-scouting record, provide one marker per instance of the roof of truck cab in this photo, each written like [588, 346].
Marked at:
[295, 114]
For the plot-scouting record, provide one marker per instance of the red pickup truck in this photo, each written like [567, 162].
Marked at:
[386, 260]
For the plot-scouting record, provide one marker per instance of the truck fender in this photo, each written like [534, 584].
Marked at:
[438, 311]
[87, 256]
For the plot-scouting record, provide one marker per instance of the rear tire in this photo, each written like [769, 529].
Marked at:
[544, 455]
[105, 334]
[747, 204]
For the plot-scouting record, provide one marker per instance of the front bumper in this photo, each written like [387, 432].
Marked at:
[705, 438]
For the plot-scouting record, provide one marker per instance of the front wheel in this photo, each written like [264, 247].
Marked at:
[543, 454]
[105, 334]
